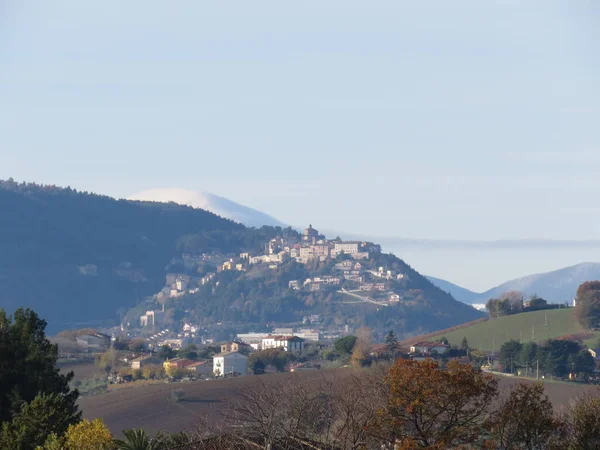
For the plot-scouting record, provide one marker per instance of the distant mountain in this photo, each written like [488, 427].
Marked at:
[557, 286]
[459, 293]
[217, 205]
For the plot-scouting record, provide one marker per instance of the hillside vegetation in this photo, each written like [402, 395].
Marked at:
[541, 325]
[78, 258]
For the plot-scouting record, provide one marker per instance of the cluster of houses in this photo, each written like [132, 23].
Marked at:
[231, 361]
[311, 246]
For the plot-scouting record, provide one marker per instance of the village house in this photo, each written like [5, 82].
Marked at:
[202, 368]
[328, 279]
[146, 360]
[233, 346]
[373, 287]
[287, 343]
[427, 348]
[394, 298]
[294, 284]
[306, 254]
[152, 318]
[347, 247]
[321, 251]
[176, 364]
[233, 363]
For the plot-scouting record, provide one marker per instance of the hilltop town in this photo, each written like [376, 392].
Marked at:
[313, 287]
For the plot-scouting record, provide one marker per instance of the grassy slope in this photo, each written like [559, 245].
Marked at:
[493, 333]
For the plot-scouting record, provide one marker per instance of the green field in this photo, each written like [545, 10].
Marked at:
[537, 325]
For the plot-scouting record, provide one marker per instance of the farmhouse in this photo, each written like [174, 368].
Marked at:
[202, 368]
[176, 363]
[235, 347]
[233, 363]
[427, 348]
[146, 360]
[287, 343]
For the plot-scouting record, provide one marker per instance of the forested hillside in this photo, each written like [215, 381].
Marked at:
[78, 258]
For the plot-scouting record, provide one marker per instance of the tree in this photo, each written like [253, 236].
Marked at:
[444, 340]
[28, 366]
[431, 407]
[88, 435]
[137, 345]
[166, 352]
[525, 419]
[583, 424]
[138, 439]
[44, 415]
[464, 344]
[509, 352]
[189, 352]
[582, 363]
[537, 303]
[391, 344]
[343, 346]
[587, 310]
[362, 348]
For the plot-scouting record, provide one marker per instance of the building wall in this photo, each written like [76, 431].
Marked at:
[230, 363]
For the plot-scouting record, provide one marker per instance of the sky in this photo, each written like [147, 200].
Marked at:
[462, 120]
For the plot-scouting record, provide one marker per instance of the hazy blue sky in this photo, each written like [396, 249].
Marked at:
[430, 119]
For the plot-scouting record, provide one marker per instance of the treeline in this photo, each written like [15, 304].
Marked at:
[513, 303]
[558, 358]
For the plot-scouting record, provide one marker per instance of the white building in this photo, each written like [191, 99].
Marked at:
[309, 335]
[287, 343]
[348, 247]
[152, 318]
[229, 364]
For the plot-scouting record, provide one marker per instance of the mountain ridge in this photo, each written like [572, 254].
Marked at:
[556, 286]
[207, 201]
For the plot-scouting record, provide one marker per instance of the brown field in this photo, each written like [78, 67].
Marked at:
[83, 370]
[149, 407]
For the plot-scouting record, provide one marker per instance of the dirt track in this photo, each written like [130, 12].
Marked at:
[149, 406]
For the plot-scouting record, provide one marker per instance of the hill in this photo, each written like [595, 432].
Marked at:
[459, 293]
[83, 259]
[79, 258]
[558, 286]
[210, 202]
[260, 294]
[538, 326]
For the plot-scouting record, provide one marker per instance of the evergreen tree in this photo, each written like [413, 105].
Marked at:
[47, 414]
[464, 344]
[391, 344]
[28, 366]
